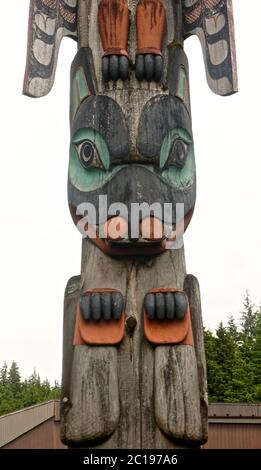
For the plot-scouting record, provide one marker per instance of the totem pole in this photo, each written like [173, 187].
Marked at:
[134, 373]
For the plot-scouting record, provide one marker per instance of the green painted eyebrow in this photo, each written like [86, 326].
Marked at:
[97, 139]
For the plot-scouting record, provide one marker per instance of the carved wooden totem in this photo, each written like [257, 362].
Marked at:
[134, 373]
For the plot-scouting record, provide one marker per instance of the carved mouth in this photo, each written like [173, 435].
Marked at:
[152, 242]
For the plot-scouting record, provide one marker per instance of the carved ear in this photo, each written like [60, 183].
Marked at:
[83, 79]
[49, 22]
[182, 90]
[212, 21]
[178, 75]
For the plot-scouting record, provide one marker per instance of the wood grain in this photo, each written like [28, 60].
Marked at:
[144, 377]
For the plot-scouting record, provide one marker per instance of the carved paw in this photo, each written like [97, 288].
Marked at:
[102, 306]
[149, 67]
[115, 67]
[166, 305]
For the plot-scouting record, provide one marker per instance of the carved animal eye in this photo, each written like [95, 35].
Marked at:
[89, 155]
[178, 153]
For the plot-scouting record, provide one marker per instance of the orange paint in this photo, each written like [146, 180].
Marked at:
[129, 249]
[98, 332]
[113, 20]
[168, 331]
[151, 229]
[116, 228]
[150, 24]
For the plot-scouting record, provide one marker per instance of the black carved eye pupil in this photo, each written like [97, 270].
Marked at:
[180, 150]
[179, 153]
[87, 153]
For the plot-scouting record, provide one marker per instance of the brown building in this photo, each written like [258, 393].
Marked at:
[36, 427]
[234, 426]
[231, 426]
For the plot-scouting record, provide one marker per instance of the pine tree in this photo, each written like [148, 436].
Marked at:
[14, 378]
[248, 318]
[56, 390]
[226, 349]
[4, 375]
[16, 394]
[240, 388]
[214, 370]
[233, 329]
[256, 358]
[234, 358]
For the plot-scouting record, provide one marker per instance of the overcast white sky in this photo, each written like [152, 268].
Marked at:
[39, 254]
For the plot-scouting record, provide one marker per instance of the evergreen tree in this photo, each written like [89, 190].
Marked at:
[214, 370]
[248, 318]
[56, 390]
[234, 358]
[240, 389]
[4, 375]
[233, 329]
[14, 378]
[16, 394]
[256, 358]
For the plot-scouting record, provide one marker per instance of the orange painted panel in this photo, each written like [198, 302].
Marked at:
[98, 332]
[150, 23]
[113, 18]
[168, 331]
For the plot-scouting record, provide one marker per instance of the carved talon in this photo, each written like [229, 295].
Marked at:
[102, 306]
[115, 67]
[166, 305]
[149, 67]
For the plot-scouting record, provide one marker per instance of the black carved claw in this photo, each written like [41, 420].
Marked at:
[149, 67]
[166, 305]
[115, 67]
[102, 306]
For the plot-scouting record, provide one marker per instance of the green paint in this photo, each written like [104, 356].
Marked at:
[183, 87]
[91, 178]
[80, 89]
[97, 139]
[94, 178]
[178, 178]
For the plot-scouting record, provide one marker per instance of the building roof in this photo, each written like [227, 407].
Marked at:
[247, 413]
[14, 425]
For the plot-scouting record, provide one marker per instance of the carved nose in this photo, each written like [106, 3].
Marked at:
[151, 229]
[116, 228]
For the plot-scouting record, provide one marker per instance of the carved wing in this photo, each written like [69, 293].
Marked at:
[49, 22]
[212, 21]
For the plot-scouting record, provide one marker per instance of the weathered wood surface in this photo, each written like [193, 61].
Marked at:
[192, 289]
[94, 394]
[212, 21]
[134, 395]
[177, 401]
[51, 20]
[158, 387]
